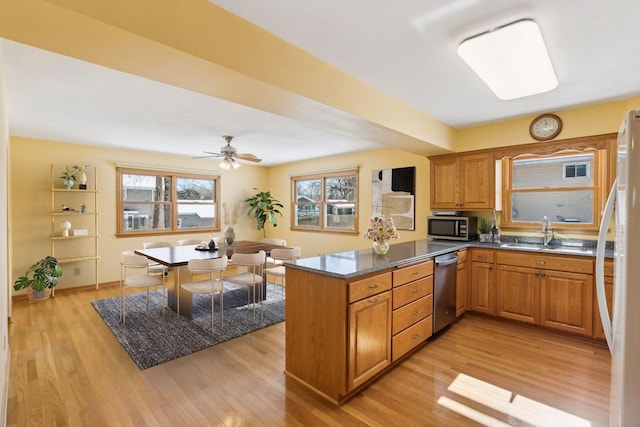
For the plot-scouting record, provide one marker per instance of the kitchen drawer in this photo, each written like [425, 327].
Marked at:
[609, 268]
[547, 262]
[405, 294]
[462, 256]
[482, 255]
[411, 338]
[370, 286]
[412, 313]
[414, 272]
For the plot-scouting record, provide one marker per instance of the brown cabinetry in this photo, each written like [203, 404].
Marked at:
[609, 275]
[462, 283]
[552, 291]
[462, 182]
[412, 307]
[482, 280]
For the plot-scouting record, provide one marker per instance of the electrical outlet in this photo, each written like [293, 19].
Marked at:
[76, 271]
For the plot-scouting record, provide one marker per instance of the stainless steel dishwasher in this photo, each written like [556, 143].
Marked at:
[444, 293]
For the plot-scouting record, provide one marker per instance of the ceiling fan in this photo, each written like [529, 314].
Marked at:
[230, 155]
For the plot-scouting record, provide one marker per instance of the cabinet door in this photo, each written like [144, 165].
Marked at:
[482, 287]
[567, 301]
[477, 187]
[444, 183]
[518, 293]
[369, 338]
[462, 289]
[598, 332]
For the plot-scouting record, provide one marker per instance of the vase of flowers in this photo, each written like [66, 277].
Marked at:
[381, 230]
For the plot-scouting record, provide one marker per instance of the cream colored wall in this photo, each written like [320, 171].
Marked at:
[318, 243]
[31, 160]
[586, 121]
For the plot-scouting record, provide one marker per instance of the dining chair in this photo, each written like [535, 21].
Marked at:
[214, 267]
[154, 267]
[187, 242]
[277, 273]
[252, 278]
[130, 261]
[273, 241]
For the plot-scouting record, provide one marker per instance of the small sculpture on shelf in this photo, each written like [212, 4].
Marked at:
[65, 226]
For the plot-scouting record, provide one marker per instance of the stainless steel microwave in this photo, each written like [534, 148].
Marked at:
[452, 227]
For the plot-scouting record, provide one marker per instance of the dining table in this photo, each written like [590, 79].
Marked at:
[174, 257]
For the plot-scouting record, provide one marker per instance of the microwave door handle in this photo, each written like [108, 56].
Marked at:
[456, 230]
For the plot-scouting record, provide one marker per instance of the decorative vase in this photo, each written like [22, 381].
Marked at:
[68, 183]
[381, 247]
[82, 179]
[230, 236]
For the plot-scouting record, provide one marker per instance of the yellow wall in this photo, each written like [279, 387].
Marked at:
[31, 202]
[586, 121]
[319, 243]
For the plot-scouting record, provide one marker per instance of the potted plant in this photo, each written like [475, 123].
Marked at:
[40, 278]
[69, 176]
[485, 230]
[264, 208]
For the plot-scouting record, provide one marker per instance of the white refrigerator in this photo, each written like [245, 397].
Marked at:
[623, 331]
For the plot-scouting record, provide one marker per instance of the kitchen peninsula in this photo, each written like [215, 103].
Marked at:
[353, 314]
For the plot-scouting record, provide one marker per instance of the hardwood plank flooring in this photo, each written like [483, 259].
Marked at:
[67, 368]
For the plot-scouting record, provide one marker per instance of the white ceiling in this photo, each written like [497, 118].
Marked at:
[405, 48]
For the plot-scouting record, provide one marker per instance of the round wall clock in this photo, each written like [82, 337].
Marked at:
[545, 127]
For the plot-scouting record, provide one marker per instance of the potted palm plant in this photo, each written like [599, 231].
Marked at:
[264, 208]
[40, 278]
[485, 230]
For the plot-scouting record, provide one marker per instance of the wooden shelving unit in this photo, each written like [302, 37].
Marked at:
[75, 248]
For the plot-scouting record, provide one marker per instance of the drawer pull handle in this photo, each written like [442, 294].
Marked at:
[417, 312]
[373, 301]
[483, 257]
[416, 336]
[415, 273]
[415, 291]
[373, 286]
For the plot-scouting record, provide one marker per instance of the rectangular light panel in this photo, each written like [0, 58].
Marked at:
[512, 60]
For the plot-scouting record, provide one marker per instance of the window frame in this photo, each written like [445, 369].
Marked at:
[599, 172]
[172, 203]
[322, 202]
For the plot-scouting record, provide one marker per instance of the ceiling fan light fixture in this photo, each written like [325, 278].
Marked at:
[511, 60]
[229, 164]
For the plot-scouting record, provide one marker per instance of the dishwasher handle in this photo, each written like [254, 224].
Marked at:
[446, 260]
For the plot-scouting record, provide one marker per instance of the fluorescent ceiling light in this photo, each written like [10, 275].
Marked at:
[512, 60]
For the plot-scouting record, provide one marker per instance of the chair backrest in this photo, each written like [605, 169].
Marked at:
[185, 242]
[150, 245]
[249, 259]
[130, 259]
[286, 254]
[211, 264]
[272, 241]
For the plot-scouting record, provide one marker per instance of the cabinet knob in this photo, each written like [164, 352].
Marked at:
[415, 291]
[483, 257]
[416, 336]
[417, 312]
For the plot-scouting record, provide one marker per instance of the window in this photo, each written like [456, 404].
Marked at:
[325, 202]
[163, 202]
[563, 187]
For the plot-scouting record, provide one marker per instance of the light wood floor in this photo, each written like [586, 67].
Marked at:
[67, 368]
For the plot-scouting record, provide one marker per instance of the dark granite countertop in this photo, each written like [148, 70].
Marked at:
[348, 264]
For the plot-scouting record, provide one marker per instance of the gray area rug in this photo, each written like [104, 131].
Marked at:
[151, 339]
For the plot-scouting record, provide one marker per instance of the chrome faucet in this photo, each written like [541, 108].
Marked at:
[545, 229]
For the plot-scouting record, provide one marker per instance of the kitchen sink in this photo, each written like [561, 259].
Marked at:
[551, 248]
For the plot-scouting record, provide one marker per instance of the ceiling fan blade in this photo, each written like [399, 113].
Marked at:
[248, 157]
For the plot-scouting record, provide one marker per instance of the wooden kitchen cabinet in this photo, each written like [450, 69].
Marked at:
[462, 182]
[369, 337]
[609, 275]
[518, 293]
[482, 280]
[462, 283]
[548, 290]
[412, 307]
